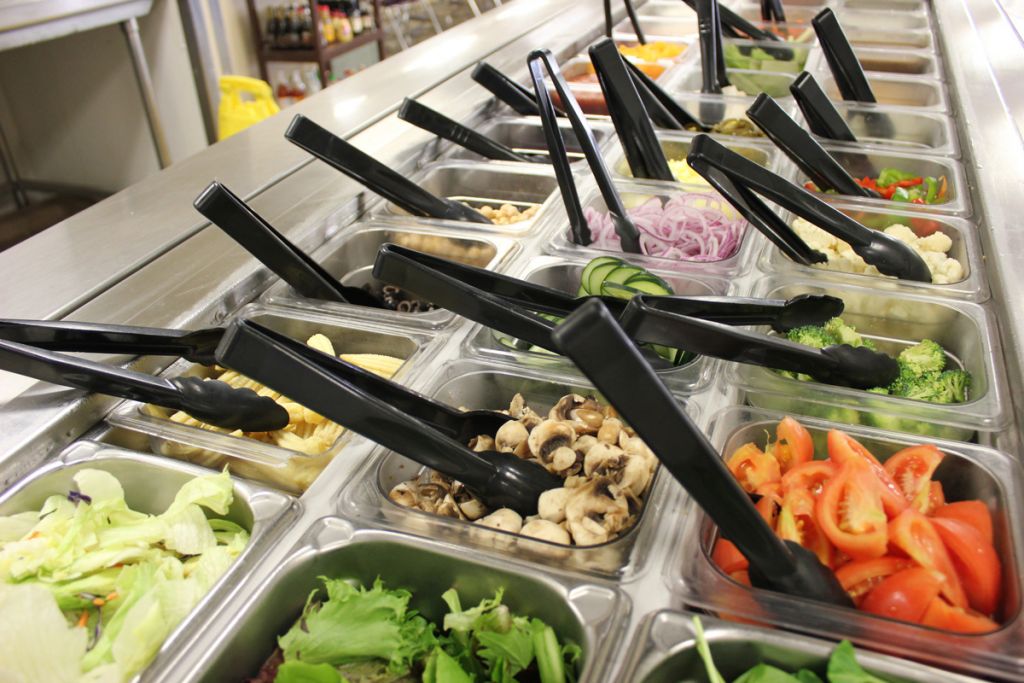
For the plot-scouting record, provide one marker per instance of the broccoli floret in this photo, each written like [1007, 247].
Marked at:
[949, 386]
[844, 334]
[923, 358]
[912, 426]
[811, 335]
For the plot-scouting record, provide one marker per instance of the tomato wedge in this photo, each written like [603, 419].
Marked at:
[798, 523]
[912, 470]
[842, 448]
[977, 564]
[860, 576]
[941, 614]
[914, 534]
[973, 512]
[794, 444]
[769, 503]
[851, 514]
[753, 468]
[728, 557]
[936, 497]
[809, 475]
[905, 595]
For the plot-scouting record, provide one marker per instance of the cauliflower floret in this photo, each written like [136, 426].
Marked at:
[936, 242]
[902, 233]
[815, 237]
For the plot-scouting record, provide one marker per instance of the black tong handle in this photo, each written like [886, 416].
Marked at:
[803, 149]
[664, 111]
[590, 337]
[371, 173]
[505, 89]
[282, 365]
[403, 268]
[842, 60]
[449, 420]
[843, 365]
[712, 58]
[229, 213]
[707, 153]
[822, 116]
[214, 402]
[628, 233]
[732, 20]
[437, 123]
[736, 177]
[65, 335]
[643, 151]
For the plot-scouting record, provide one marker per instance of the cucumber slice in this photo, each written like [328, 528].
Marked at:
[617, 290]
[598, 275]
[649, 284]
[623, 273]
[594, 263]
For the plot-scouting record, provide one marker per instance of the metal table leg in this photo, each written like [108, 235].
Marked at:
[156, 129]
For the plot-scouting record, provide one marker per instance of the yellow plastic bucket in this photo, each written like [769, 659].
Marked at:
[243, 102]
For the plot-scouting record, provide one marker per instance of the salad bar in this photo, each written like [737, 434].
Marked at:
[582, 349]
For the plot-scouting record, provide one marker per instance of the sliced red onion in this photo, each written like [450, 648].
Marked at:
[698, 226]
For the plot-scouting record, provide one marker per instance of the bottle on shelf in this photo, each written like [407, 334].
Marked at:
[356, 18]
[283, 92]
[273, 27]
[342, 27]
[305, 27]
[298, 86]
[311, 77]
[327, 34]
[368, 19]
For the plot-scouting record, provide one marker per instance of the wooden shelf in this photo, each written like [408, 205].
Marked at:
[321, 55]
[327, 53]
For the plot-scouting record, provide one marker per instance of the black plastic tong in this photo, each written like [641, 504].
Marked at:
[841, 58]
[822, 116]
[842, 364]
[67, 335]
[401, 263]
[737, 178]
[374, 175]
[627, 232]
[211, 401]
[505, 89]
[437, 123]
[591, 338]
[739, 25]
[429, 432]
[229, 213]
[820, 166]
[771, 10]
[712, 58]
[643, 151]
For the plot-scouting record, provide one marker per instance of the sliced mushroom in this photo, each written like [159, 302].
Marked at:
[634, 445]
[595, 514]
[562, 459]
[546, 531]
[584, 415]
[447, 507]
[551, 504]
[503, 519]
[470, 506]
[511, 436]
[610, 430]
[404, 495]
[603, 459]
[549, 436]
[481, 443]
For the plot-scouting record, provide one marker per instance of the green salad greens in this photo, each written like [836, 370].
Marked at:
[370, 635]
[90, 589]
[842, 667]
